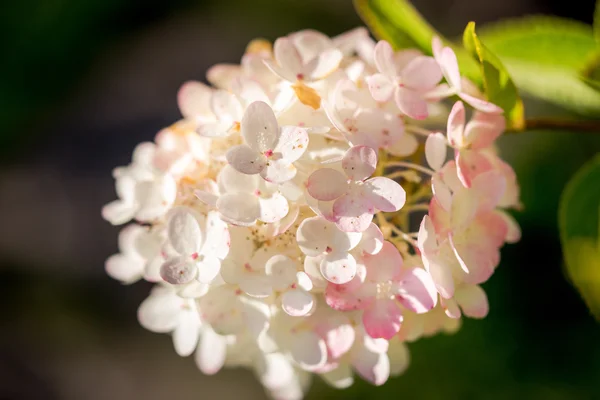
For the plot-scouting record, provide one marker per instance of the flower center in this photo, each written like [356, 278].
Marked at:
[384, 290]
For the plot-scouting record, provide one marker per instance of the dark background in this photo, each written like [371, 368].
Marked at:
[81, 82]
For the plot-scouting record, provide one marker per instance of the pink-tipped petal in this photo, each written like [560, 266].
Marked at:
[480, 104]
[381, 87]
[416, 291]
[456, 125]
[338, 268]
[359, 162]
[473, 301]
[411, 103]
[384, 266]
[353, 212]
[421, 74]
[326, 184]
[471, 163]
[384, 194]
[383, 55]
[382, 319]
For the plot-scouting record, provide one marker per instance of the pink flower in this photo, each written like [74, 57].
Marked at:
[355, 197]
[407, 76]
[446, 59]
[378, 289]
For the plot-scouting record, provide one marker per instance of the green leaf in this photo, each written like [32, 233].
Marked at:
[399, 23]
[545, 57]
[579, 223]
[498, 85]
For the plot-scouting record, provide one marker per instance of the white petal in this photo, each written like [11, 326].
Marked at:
[411, 103]
[259, 127]
[212, 349]
[371, 366]
[125, 269]
[399, 358]
[160, 312]
[441, 192]
[226, 106]
[275, 370]
[405, 146]
[222, 75]
[359, 162]
[208, 269]
[308, 350]
[185, 336]
[278, 171]
[473, 301]
[217, 241]
[327, 62]
[118, 212]
[231, 180]
[338, 268]
[239, 208]
[297, 302]
[246, 160]
[372, 240]
[326, 184]
[185, 234]
[385, 194]
[178, 270]
[288, 57]
[282, 271]
[273, 209]
[292, 143]
[435, 150]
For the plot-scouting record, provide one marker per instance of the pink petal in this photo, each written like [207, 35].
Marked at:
[384, 194]
[354, 212]
[338, 333]
[383, 55]
[359, 162]
[411, 103]
[484, 129]
[381, 87]
[441, 192]
[471, 163]
[435, 150]
[278, 171]
[292, 143]
[384, 266]
[421, 74]
[449, 65]
[489, 187]
[193, 99]
[382, 319]
[513, 232]
[456, 125]
[416, 291]
[480, 104]
[473, 301]
[259, 127]
[441, 274]
[338, 268]
[326, 184]
[246, 160]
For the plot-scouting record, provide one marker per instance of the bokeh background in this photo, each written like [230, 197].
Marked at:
[81, 82]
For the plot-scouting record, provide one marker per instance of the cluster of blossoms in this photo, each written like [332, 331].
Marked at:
[275, 216]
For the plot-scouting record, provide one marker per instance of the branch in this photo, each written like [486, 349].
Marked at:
[545, 123]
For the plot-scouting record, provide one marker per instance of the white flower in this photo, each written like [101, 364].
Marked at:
[200, 244]
[294, 285]
[269, 150]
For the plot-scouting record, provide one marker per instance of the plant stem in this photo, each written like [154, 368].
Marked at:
[550, 123]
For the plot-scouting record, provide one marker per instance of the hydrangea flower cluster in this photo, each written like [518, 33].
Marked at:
[275, 217]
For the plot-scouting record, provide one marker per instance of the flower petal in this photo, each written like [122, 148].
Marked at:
[246, 160]
[297, 302]
[340, 377]
[456, 125]
[480, 104]
[383, 55]
[325, 64]
[353, 212]
[381, 87]
[484, 129]
[372, 240]
[178, 270]
[278, 171]
[385, 194]
[399, 357]
[273, 209]
[405, 146]
[382, 319]
[338, 268]
[422, 73]
[359, 163]
[308, 350]
[435, 150]
[212, 349]
[471, 163]
[118, 212]
[259, 127]
[218, 241]
[185, 336]
[282, 271]
[193, 99]
[160, 312]
[411, 103]
[472, 300]
[208, 269]
[239, 208]
[326, 184]
[385, 265]
[416, 291]
[288, 57]
[372, 366]
[185, 234]
[292, 143]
